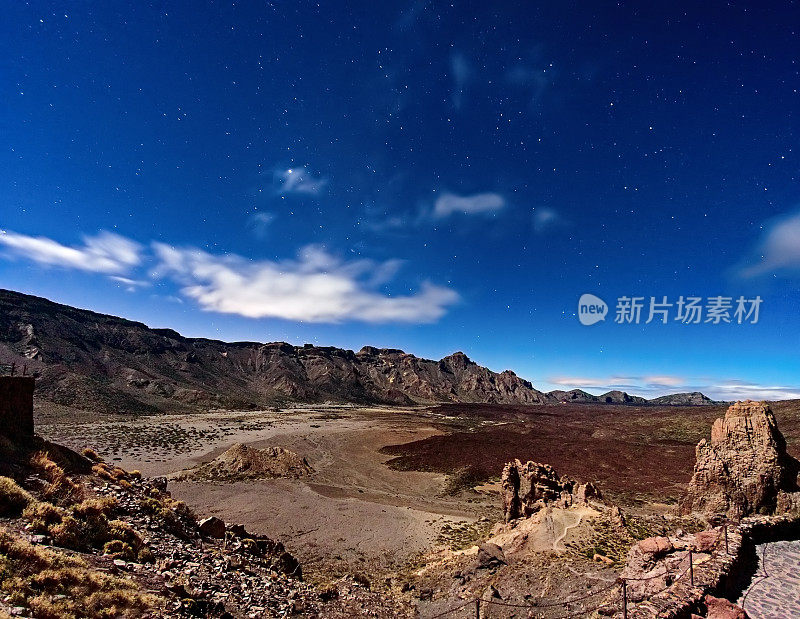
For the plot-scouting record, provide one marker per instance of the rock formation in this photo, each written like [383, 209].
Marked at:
[243, 462]
[745, 468]
[529, 487]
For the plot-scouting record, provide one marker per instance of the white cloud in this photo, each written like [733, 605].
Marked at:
[316, 287]
[299, 180]
[778, 250]
[450, 203]
[104, 253]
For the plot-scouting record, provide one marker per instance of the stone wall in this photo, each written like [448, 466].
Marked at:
[718, 571]
[16, 407]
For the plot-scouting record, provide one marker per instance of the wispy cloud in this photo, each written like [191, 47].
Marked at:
[300, 181]
[534, 81]
[449, 203]
[131, 285]
[315, 287]
[259, 223]
[545, 218]
[778, 250]
[651, 386]
[106, 252]
[461, 74]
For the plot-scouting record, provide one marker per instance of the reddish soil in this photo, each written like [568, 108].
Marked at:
[634, 453]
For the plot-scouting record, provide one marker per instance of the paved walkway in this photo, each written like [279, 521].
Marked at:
[774, 592]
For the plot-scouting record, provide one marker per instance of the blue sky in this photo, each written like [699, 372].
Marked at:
[417, 176]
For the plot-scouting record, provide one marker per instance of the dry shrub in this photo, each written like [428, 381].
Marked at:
[118, 549]
[91, 454]
[68, 533]
[122, 531]
[135, 474]
[42, 516]
[13, 499]
[101, 470]
[61, 488]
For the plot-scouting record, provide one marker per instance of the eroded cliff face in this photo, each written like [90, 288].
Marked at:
[104, 363]
[744, 469]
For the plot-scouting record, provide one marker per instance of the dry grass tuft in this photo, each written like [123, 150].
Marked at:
[91, 454]
[55, 586]
[61, 488]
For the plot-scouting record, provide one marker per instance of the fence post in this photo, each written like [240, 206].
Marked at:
[477, 608]
[691, 569]
[25, 370]
[13, 368]
[727, 552]
[624, 599]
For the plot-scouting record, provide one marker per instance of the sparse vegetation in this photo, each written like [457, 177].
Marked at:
[56, 586]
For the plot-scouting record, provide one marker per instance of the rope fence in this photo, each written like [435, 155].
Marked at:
[622, 583]
[13, 369]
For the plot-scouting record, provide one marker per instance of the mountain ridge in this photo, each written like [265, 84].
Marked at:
[95, 361]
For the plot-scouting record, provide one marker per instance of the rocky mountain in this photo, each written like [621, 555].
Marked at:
[575, 395]
[611, 397]
[103, 363]
[98, 362]
[694, 398]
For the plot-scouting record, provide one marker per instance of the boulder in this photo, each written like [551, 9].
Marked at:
[490, 555]
[719, 608]
[212, 527]
[706, 541]
[656, 546]
[744, 467]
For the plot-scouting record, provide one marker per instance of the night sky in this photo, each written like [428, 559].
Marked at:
[422, 176]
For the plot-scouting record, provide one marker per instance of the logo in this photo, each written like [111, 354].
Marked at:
[591, 309]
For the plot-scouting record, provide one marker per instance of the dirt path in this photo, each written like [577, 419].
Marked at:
[566, 530]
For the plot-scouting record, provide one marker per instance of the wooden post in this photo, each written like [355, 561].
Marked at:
[25, 370]
[727, 552]
[624, 599]
[691, 569]
[13, 368]
[478, 608]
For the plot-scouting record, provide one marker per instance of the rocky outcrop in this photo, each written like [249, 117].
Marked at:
[243, 462]
[529, 487]
[744, 469]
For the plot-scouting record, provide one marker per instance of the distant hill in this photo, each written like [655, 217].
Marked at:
[694, 398]
[98, 362]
